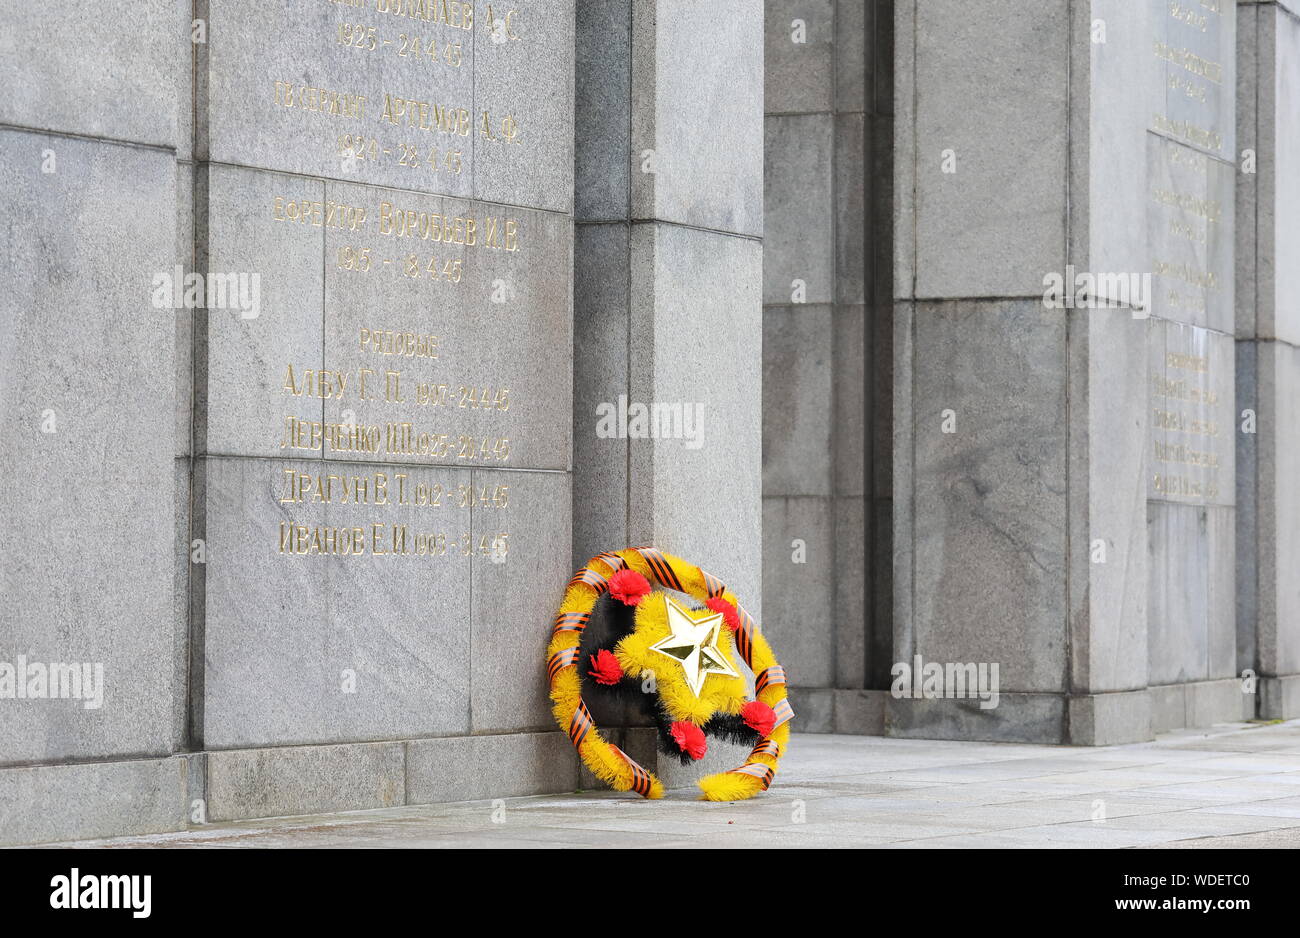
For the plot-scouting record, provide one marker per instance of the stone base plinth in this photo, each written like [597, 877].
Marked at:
[1082, 720]
[46, 803]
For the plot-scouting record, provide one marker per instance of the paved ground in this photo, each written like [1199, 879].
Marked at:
[1232, 786]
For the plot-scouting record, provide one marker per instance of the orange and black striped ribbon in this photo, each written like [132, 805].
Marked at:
[610, 558]
[640, 777]
[660, 567]
[581, 724]
[591, 578]
[766, 747]
[571, 621]
[770, 676]
[564, 658]
[760, 771]
[745, 637]
[784, 713]
[714, 586]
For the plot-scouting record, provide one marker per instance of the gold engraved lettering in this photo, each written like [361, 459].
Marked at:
[426, 115]
[322, 100]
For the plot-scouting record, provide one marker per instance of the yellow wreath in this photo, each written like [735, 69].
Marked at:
[700, 692]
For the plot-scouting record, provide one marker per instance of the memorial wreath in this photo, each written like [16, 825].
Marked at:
[678, 656]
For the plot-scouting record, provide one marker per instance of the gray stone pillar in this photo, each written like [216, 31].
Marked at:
[92, 515]
[667, 268]
[1268, 352]
[1064, 471]
[826, 335]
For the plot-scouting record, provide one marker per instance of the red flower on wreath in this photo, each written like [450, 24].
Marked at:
[690, 739]
[729, 613]
[628, 586]
[759, 716]
[605, 668]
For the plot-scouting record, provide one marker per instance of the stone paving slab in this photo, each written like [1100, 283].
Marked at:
[1236, 785]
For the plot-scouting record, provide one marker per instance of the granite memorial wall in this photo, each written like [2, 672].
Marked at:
[985, 311]
[1087, 489]
[302, 460]
[326, 491]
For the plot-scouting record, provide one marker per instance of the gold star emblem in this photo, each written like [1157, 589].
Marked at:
[693, 644]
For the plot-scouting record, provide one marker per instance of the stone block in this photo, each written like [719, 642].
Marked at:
[855, 36]
[1110, 719]
[798, 411]
[904, 144]
[498, 306]
[881, 25]
[251, 223]
[1211, 702]
[1109, 370]
[849, 611]
[478, 768]
[1024, 718]
[1192, 389]
[854, 422]
[680, 73]
[524, 82]
[87, 404]
[600, 344]
[1279, 697]
[1221, 608]
[879, 362]
[77, 76]
[851, 218]
[860, 712]
[1250, 87]
[185, 318]
[40, 804]
[1168, 707]
[801, 50]
[976, 235]
[1198, 106]
[339, 620]
[1111, 220]
[799, 224]
[902, 471]
[1279, 216]
[1190, 234]
[814, 709]
[602, 96]
[989, 501]
[183, 37]
[346, 92]
[284, 781]
[798, 583]
[1247, 591]
[184, 554]
[1279, 509]
[514, 592]
[1178, 613]
[881, 599]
